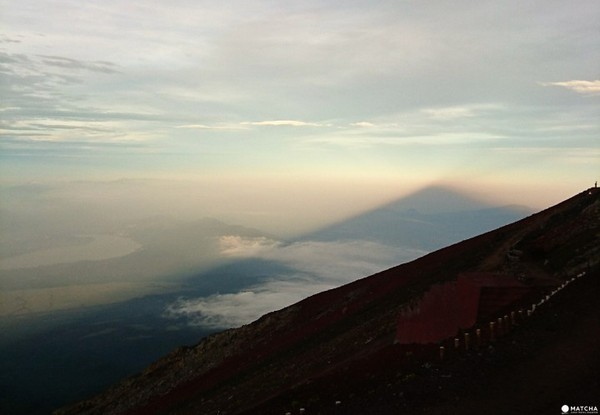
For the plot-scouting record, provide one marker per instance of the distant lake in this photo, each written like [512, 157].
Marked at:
[92, 248]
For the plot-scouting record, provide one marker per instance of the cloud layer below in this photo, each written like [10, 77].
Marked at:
[319, 266]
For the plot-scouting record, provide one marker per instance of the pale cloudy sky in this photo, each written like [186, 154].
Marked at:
[505, 94]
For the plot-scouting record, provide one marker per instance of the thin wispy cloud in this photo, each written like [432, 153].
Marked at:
[70, 64]
[282, 123]
[213, 127]
[450, 113]
[579, 86]
[402, 139]
[570, 155]
[7, 39]
[365, 124]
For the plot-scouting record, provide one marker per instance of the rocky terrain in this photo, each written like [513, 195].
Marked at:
[336, 352]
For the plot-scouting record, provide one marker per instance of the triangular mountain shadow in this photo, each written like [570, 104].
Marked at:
[428, 219]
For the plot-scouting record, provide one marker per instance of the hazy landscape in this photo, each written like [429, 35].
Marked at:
[233, 276]
[400, 339]
[169, 170]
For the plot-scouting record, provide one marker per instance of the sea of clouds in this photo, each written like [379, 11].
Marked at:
[317, 266]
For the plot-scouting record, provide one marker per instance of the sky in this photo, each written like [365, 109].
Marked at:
[282, 116]
[493, 92]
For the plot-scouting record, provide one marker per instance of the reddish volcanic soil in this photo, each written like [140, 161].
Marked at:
[554, 360]
[549, 360]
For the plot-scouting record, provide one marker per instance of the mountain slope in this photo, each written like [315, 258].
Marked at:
[339, 344]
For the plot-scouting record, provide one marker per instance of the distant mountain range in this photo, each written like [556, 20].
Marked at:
[338, 351]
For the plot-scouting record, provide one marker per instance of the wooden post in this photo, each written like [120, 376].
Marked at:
[442, 352]
[456, 343]
[492, 331]
[500, 327]
[513, 318]
[478, 333]
[466, 341]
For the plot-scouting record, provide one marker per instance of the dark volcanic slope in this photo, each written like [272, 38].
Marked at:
[339, 344]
